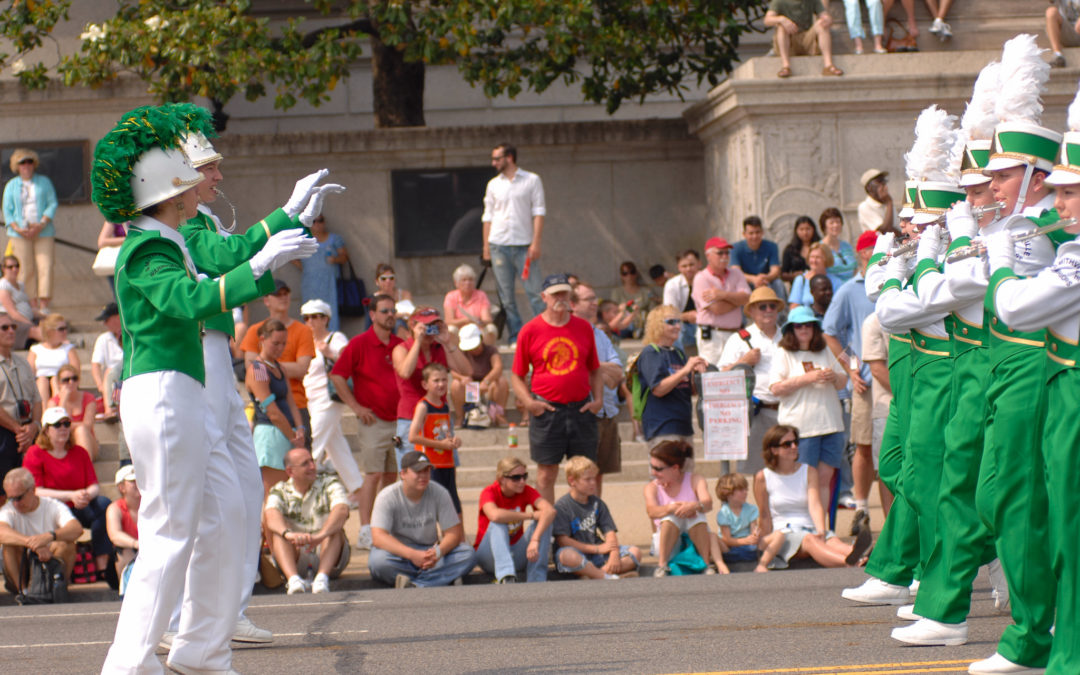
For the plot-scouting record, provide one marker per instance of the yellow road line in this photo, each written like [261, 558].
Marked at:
[959, 665]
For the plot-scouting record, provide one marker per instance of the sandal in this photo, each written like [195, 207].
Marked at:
[784, 72]
[832, 70]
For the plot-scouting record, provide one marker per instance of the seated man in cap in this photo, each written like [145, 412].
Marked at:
[802, 29]
[755, 347]
[107, 359]
[486, 369]
[305, 516]
[41, 525]
[405, 523]
[122, 522]
[876, 211]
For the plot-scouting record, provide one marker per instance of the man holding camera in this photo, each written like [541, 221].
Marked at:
[20, 403]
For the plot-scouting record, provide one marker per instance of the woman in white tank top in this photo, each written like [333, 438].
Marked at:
[792, 516]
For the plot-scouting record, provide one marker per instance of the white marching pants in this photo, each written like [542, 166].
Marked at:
[328, 439]
[190, 505]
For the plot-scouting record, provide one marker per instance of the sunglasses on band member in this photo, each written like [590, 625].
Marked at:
[517, 476]
[786, 444]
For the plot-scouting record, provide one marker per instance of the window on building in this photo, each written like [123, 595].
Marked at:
[437, 211]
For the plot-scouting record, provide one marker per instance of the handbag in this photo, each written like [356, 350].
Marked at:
[105, 261]
[350, 292]
[46, 581]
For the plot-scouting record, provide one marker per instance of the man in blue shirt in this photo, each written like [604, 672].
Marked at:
[584, 303]
[757, 258]
[843, 329]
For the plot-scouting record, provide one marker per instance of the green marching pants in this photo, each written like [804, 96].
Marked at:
[963, 542]
[896, 553]
[931, 387]
[1011, 496]
[1060, 436]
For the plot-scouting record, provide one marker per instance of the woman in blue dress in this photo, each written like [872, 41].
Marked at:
[322, 270]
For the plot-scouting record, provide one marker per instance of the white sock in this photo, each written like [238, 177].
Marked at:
[862, 504]
[1059, 54]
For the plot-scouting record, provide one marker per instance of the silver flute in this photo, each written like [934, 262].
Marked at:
[978, 248]
[911, 246]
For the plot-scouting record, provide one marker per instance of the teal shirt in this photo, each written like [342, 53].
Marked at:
[163, 305]
[214, 254]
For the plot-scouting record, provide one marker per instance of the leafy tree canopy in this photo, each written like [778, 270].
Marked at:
[615, 50]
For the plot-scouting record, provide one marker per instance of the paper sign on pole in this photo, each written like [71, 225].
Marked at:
[726, 414]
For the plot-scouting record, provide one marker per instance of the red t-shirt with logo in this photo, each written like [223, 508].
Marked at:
[562, 357]
[493, 493]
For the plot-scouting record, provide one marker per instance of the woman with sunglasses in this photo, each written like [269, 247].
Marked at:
[663, 368]
[80, 405]
[29, 208]
[635, 297]
[504, 546]
[386, 282]
[806, 378]
[792, 517]
[63, 470]
[676, 499]
[55, 350]
[16, 303]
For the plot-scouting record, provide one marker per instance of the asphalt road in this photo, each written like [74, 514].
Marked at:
[782, 622]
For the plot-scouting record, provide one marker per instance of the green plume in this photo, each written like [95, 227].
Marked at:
[115, 156]
[193, 117]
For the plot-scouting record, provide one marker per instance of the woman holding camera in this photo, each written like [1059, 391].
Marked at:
[430, 342]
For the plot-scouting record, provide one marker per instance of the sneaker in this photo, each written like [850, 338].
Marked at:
[937, 26]
[611, 576]
[710, 570]
[946, 32]
[166, 640]
[661, 571]
[246, 631]
[403, 581]
[913, 589]
[907, 613]
[932, 633]
[998, 665]
[877, 592]
[508, 579]
[460, 581]
[363, 542]
[1001, 586]
[321, 584]
[846, 501]
[1058, 61]
[186, 670]
[295, 585]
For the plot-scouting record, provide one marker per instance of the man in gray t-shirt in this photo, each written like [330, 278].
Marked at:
[405, 524]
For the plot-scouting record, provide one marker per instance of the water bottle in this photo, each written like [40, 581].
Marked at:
[512, 437]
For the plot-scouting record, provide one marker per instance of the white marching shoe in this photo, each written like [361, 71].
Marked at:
[874, 591]
[932, 633]
[246, 631]
[907, 613]
[999, 665]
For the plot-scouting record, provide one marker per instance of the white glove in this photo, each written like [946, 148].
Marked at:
[314, 205]
[281, 248]
[960, 221]
[884, 243]
[302, 192]
[930, 243]
[897, 268]
[1000, 250]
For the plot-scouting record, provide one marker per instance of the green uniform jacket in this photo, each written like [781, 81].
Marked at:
[215, 255]
[162, 305]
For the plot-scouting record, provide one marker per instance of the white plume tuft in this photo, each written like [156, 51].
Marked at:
[931, 156]
[1074, 113]
[1023, 80]
[979, 118]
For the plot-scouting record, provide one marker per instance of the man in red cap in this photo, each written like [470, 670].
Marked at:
[843, 334]
[719, 294]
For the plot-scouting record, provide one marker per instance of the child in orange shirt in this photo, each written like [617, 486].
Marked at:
[432, 431]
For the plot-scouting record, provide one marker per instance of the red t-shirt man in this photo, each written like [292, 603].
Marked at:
[493, 493]
[368, 362]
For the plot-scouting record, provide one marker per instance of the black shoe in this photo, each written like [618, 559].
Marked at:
[863, 540]
[861, 520]
[508, 579]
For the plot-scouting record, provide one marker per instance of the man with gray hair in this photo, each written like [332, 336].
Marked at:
[20, 403]
[41, 525]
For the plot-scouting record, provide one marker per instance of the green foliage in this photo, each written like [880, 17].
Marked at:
[617, 50]
[24, 25]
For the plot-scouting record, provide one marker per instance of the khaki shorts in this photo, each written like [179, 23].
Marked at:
[310, 558]
[609, 445]
[376, 453]
[803, 43]
[862, 425]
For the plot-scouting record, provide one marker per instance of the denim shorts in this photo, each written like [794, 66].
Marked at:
[597, 559]
[746, 553]
[828, 449]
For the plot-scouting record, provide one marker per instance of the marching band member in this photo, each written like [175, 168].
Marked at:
[188, 486]
[1052, 299]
